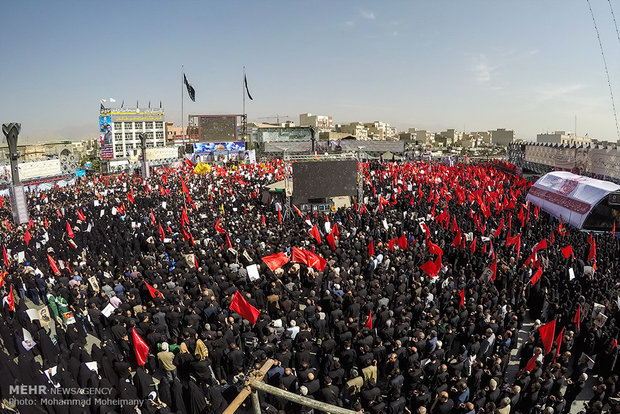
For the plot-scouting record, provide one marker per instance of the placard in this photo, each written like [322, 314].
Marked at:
[253, 272]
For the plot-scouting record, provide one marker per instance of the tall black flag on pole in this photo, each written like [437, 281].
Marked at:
[190, 89]
[245, 81]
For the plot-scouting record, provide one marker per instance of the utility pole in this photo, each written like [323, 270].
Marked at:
[18, 198]
[360, 176]
[145, 166]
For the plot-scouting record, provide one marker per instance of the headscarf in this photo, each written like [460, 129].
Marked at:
[201, 350]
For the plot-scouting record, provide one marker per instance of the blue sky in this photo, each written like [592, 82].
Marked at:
[526, 65]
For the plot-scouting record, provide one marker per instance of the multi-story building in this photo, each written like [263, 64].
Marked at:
[562, 137]
[381, 131]
[322, 123]
[120, 129]
[356, 129]
[174, 134]
[501, 137]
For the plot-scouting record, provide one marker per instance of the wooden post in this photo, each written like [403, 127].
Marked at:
[254, 376]
[255, 383]
[256, 402]
[308, 402]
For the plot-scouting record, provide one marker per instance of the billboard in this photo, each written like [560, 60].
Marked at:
[213, 128]
[105, 137]
[321, 179]
[219, 146]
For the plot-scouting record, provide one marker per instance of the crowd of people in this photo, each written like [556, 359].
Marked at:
[427, 286]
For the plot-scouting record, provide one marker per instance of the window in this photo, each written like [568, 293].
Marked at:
[149, 125]
[118, 148]
[159, 125]
[138, 125]
[118, 125]
[128, 136]
[149, 135]
[118, 136]
[159, 134]
[127, 125]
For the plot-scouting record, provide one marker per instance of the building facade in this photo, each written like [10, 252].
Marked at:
[501, 137]
[562, 137]
[120, 130]
[322, 123]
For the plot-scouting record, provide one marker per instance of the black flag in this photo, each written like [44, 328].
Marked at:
[122, 103]
[245, 81]
[102, 109]
[190, 89]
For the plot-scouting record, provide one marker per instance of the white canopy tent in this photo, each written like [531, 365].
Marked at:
[568, 196]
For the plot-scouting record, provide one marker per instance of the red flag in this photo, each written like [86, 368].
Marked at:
[280, 216]
[613, 345]
[183, 186]
[27, 237]
[162, 234]
[140, 347]
[316, 261]
[536, 276]
[196, 262]
[547, 332]
[276, 261]
[81, 215]
[540, 245]
[30, 223]
[371, 248]
[218, 228]
[228, 243]
[368, 323]
[186, 235]
[188, 163]
[457, 239]
[243, 308]
[530, 365]
[363, 209]
[152, 218]
[154, 292]
[473, 245]
[330, 239]
[53, 265]
[335, 231]
[7, 264]
[8, 226]
[402, 242]
[499, 229]
[514, 240]
[613, 230]
[69, 230]
[391, 243]
[430, 268]
[592, 253]
[577, 317]
[10, 299]
[57, 212]
[462, 298]
[299, 255]
[185, 219]
[493, 267]
[558, 344]
[568, 251]
[314, 232]
[297, 210]
[262, 219]
[434, 249]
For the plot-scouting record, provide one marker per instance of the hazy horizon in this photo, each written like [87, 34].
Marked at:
[528, 66]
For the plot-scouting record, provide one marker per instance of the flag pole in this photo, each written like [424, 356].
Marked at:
[243, 92]
[182, 98]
